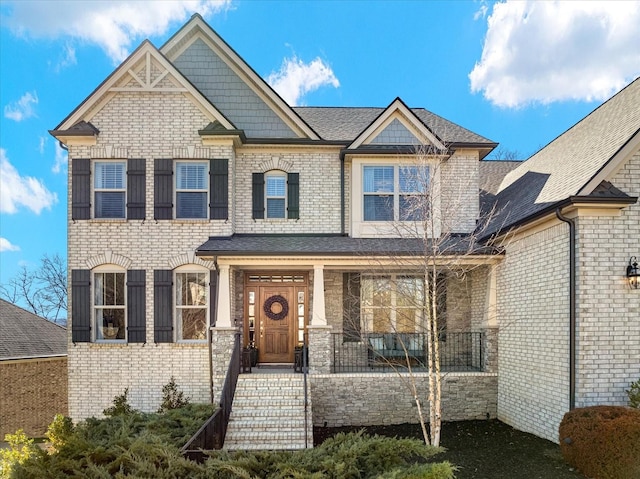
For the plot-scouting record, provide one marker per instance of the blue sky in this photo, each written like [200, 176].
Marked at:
[519, 73]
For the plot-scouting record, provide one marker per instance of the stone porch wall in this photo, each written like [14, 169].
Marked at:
[376, 398]
[32, 392]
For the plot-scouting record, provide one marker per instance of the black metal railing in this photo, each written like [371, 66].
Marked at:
[213, 432]
[305, 372]
[382, 352]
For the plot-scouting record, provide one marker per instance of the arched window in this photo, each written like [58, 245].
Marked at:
[109, 303]
[276, 194]
[191, 293]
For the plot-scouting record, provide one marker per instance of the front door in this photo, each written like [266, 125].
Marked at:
[276, 322]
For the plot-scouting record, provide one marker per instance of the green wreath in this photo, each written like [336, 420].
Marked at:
[268, 304]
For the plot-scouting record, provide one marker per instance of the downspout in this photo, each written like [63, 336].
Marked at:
[572, 307]
[215, 320]
[342, 205]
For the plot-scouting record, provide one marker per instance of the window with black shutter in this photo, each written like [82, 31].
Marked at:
[81, 305]
[80, 189]
[136, 306]
[219, 189]
[163, 189]
[163, 306]
[136, 189]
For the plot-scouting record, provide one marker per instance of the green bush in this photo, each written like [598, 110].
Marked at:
[172, 397]
[59, 431]
[147, 445]
[20, 449]
[120, 406]
[602, 441]
[634, 394]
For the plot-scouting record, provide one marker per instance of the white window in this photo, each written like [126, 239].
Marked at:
[110, 189]
[191, 300]
[276, 194]
[192, 189]
[394, 193]
[109, 304]
[392, 303]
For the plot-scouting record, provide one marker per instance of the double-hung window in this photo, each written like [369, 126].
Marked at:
[109, 303]
[276, 194]
[110, 189]
[392, 303]
[192, 181]
[394, 193]
[191, 305]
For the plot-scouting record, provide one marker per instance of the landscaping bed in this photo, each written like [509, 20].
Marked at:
[483, 449]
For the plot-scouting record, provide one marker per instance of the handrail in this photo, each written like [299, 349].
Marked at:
[305, 372]
[213, 432]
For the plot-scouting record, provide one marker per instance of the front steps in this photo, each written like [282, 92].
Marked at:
[268, 413]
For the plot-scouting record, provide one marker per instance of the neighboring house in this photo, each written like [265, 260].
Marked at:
[201, 204]
[33, 371]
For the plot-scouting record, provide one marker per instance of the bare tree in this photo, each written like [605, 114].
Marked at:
[42, 291]
[432, 212]
[504, 154]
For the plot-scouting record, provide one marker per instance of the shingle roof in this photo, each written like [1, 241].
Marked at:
[565, 166]
[346, 123]
[492, 172]
[327, 245]
[574, 157]
[25, 335]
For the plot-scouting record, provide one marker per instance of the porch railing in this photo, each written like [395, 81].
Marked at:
[383, 352]
[213, 432]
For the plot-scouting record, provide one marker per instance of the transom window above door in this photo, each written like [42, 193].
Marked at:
[394, 192]
[276, 194]
[109, 189]
[192, 184]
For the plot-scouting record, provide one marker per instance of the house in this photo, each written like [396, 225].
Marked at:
[33, 371]
[201, 205]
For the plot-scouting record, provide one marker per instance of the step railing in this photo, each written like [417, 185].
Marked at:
[213, 432]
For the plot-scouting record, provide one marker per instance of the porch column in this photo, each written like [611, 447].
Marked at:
[319, 317]
[223, 317]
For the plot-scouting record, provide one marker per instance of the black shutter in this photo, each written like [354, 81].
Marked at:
[163, 189]
[258, 196]
[136, 181]
[81, 309]
[163, 306]
[136, 306]
[293, 196]
[213, 296]
[219, 190]
[351, 306]
[80, 189]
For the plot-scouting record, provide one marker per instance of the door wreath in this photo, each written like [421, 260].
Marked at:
[276, 315]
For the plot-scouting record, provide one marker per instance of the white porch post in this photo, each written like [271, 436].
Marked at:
[223, 316]
[318, 318]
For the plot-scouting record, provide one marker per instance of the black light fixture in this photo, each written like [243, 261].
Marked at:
[633, 273]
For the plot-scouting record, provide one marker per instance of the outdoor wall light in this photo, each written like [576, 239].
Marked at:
[633, 273]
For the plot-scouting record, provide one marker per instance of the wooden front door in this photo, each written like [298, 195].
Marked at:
[276, 316]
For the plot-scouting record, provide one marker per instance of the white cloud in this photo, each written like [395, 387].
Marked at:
[112, 25]
[543, 52]
[5, 245]
[296, 78]
[482, 10]
[61, 160]
[42, 143]
[17, 191]
[68, 58]
[23, 108]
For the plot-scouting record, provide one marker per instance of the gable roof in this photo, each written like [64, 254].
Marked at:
[146, 69]
[25, 335]
[198, 29]
[575, 166]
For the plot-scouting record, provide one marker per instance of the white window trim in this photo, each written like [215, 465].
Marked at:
[110, 268]
[206, 189]
[388, 229]
[191, 268]
[95, 190]
[275, 174]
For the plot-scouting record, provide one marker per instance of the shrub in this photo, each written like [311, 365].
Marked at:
[20, 449]
[120, 406]
[602, 441]
[172, 397]
[59, 431]
[634, 394]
